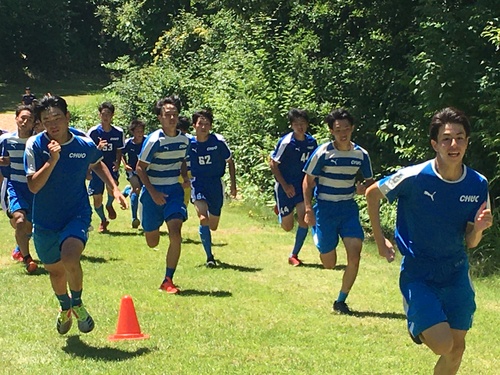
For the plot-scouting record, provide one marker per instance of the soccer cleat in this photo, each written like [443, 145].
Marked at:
[64, 321]
[30, 265]
[135, 223]
[103, 226]
[168, 286]
[211, 263]
[111, 212]
[294, 261]
[415, 339]
[85, 321]
[16, 255]
[341, 308]
[126, 191]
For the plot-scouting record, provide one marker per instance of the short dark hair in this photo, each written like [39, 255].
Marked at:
[203, 113]
[338, 114]
[24, 107]
[446, 116]
[183, 124]
[106, 105]
[50, 101]
[135, 124]
[172, 99]
[296, 113]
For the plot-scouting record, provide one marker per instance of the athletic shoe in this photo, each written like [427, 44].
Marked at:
[103, 227]
[211, 263]
[294, 261]
[415, 339]
[85, 321]
[16, 255]
[341, 307]
[64, 321]
[30, 265]
[275, 209]
[111, 212]
[126, 191]
[168, 286]
[136, 223]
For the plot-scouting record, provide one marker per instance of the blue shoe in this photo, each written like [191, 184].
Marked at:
[126, 191]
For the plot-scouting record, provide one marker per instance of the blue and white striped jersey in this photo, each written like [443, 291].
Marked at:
[336, 171]
[13, 147]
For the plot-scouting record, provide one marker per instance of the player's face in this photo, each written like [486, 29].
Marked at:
[56, 123]
[299, 127]
[37, 127]
[138, 133]
[202, 127]
[451, 143]
[106, 116]
[169, 118]
[25, 123]
[342, 132]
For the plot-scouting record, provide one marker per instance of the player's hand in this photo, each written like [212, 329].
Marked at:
[158, 197]
[360, 188]
[289, 190]
[233, 191]
[102, 143]
[128, 168]
[116, 166]
[387, 250]
[483, 219]
[54, 149]
[120, 198]
[309, 218]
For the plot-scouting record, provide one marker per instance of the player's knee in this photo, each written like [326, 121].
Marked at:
[329, 262]
[443, 346]
[286, 226]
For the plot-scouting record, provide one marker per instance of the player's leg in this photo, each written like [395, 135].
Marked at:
[95, 189]
[325, 235]
[134, 199]
[111, 198]
[22, 229]
[285, 208]
[152, 218]
[201, 208]
[173, 254]
[353, 250]
[449, 363]
[300, 235]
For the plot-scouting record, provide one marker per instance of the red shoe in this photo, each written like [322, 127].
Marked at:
[30, 265]
[294, 261]
[103, 227]
[168, 286]
[16, 255]
[111, 212]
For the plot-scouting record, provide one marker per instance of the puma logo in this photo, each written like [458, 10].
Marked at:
[429, 194]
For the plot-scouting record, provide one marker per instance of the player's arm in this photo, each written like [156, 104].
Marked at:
[373, 198]
[4, 161]
[362, 186]
[184, 175]
[118, 159]
[474, 231]
[308, 184]
[127, 166]
[232, 177]
[103, 172]
[158, 197]
[289, 189]
[37, 180]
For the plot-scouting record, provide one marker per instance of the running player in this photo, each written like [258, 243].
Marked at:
[331, 172]
[110, 140]
[209, 155]
[287, 162]
[443, 207]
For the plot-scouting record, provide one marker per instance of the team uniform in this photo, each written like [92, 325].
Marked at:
[58, 216]
[164, 155]
[291, 156]
[19, 197]
[434, 277]
[132, 151]
[115, 139]
[208, 165]
[5, 174]
[336, 210]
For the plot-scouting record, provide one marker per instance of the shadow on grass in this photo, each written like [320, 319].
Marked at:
[77, 348]
[92, 259]
[339, 267]
[204, 293]
[40, 271]
[374, 314]
[122, 234]
[236, 267]
[190, 241]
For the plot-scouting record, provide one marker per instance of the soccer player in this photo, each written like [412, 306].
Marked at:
[209, 155]
[28, 97]
[443, 207]
[56, 163]
[331, 172]
[161, 161]
[20, 198]
[184, 125]
[110, 140]
[130, 156]
[287, 162]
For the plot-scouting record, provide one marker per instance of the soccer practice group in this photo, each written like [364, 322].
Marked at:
[443, 205]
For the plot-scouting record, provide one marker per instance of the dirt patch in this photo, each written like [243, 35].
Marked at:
[7, 121]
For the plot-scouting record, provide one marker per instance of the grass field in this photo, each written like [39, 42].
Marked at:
[252, 315]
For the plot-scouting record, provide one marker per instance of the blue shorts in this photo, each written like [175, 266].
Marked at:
[48, 242]
[154, 215]
[334, 219]
[210, 190]
[20, 198]
[428, 302]
[286, 205]
[96, 185]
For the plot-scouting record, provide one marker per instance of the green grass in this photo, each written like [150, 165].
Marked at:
[253, 315]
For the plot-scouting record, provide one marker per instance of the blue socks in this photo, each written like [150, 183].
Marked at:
[76, 298]
[342, 297]
[206, 240]
[100, 212]
[300, 237]
[134, 203]
[64, 301]
[110, 200]
[170, 273]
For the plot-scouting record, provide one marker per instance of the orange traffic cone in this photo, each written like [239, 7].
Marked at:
[128, 326]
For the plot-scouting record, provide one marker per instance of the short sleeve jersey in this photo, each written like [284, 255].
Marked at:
[208, 159]
[13, 147]
[336, 171]
[292, 155]
[64, 196]
[164, 155]
[132, 151]
[115, 139]
[433, 213]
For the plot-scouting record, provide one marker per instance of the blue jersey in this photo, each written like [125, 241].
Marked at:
[164, 155]
[336, 171]
[132, 151]
[208, 159]
[115, 139]
[292, 155]
[433, 213]
[64, 196]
